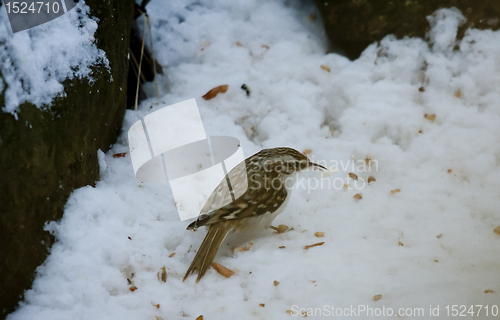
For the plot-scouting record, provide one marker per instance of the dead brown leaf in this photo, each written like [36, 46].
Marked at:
[215, 91]
[120, 155]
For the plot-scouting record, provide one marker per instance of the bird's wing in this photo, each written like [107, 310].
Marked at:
[252, 198]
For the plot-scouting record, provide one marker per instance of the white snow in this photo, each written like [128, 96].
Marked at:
[35, 62]
[431, 244]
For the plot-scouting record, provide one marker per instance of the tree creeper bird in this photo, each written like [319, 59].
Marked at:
[270, 175]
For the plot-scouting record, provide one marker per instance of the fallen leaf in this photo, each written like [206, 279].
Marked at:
[319, 234]
[353, 176]
[314, 245]
[133, 288]
[377, 297]
[430, 117]
[371, 179]
[325, 68]
[276, 283]
[119, 155]
[395, 191]
[222, 270]
[215, 91]
[358, 196]
[489, 291]
[458, 94]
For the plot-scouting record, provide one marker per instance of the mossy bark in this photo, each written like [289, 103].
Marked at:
[48, 152]
[354, 24]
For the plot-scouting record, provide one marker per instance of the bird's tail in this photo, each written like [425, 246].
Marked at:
[216, 234]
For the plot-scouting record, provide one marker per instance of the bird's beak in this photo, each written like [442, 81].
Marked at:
[316, 166]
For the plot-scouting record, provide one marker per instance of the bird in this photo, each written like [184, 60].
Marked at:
[261, 186]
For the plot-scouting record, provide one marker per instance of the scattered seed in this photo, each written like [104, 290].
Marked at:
[276, 283]
[400, 244]
[449, 170]
[282, 228]
[200, 318]
[497, 230]
[119, 155]
[314, 245]
[319, 234]
[377, 297]
[247, 90]
[222, 270]
[162, 274]
[353, 176]
[458, 94]
[312, 17]
[245, 248]
[395, 191]
[371, 179]
[158, 318]
[215, 91]
[358, 196]
[156, 305]
[325, 68]
[239, 44]
[262, 305]
[281, 247]
[171, 255]
[489, 291]
[368, 160]
[129, 238]
[430, 117]
[289, 311]
[265, 46]
[345, 186]
[307, 151]
[420, 131]
[305, 230]
[435, 261]
[439, 236]
[133, 288]
[421, 89]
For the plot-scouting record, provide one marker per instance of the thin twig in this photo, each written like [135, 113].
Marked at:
[140, 65]
[153, 56]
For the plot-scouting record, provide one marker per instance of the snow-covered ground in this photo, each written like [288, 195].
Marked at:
[34, 63]
[427, 114]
